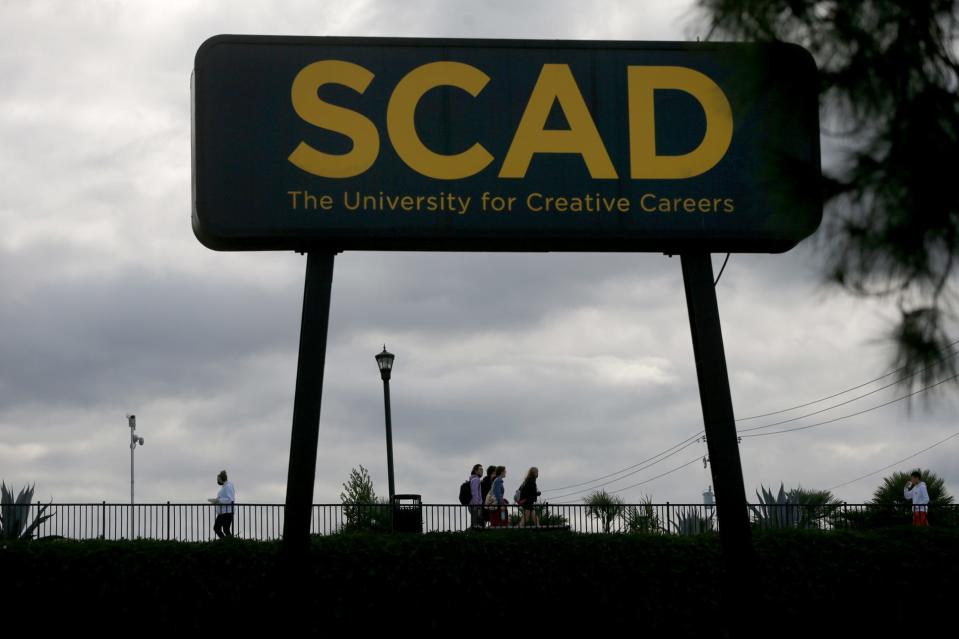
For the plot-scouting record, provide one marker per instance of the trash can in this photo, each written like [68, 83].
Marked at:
[407, 513]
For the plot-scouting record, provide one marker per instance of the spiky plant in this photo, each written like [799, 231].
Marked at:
[773, 511]
[796, 508]
[642, 519]
[15, 513]
[605, 507]
[690, 521]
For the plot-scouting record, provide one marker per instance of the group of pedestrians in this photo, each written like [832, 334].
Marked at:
[488, 497]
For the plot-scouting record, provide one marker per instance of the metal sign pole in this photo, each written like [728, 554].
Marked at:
[306, 402]
[721, 440]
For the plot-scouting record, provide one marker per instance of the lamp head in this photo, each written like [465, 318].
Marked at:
[384, 361]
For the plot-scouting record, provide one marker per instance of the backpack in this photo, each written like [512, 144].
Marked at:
[517, 496]
[466, 495]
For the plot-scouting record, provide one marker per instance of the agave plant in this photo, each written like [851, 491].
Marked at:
[797, 508]
[15, 513]
[691, 522]
[774, 511]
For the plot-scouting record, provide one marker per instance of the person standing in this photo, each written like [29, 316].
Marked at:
[223, 526]
[476, 496]
[488, 481]
[499, 516]
[486, 486]
[527, 497]
[916, 492]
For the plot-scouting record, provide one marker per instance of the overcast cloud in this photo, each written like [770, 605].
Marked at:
[579, 364]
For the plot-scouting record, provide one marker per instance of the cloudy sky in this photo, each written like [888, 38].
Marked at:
[580, 364]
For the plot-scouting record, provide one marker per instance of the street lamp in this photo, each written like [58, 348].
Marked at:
[385, 362]
[134, 440]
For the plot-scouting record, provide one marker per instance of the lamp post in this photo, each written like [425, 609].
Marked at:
[134, 440]
[385, 362]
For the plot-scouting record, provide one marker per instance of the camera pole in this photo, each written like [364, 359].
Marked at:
[134, 440]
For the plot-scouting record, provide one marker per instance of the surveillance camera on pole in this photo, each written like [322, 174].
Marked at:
[134, 440]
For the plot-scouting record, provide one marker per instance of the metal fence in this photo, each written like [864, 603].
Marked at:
[194, 522]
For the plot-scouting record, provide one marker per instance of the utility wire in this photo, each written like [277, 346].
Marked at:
[876, 472]
[898, 399]
[668, 472]
[590, 481]
[698, 435]
[612, 481]
[662, 456]
[822, 399]
[828, 408]
[726, 261]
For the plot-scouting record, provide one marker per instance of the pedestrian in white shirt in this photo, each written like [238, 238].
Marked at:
[223, 526]
[915, 491]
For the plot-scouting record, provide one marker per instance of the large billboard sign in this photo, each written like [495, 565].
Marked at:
[503, 145]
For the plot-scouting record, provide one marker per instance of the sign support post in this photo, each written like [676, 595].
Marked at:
[719, 422]
[306, 403]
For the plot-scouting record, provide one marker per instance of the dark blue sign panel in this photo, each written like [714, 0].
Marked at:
[503, 145]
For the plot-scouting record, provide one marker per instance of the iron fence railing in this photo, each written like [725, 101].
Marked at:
[194, 522]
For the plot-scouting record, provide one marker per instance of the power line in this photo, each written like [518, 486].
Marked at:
[822, 399]
[590, 481]
[876, 472]
[612, 481]
[828, 408]
[668, 472]
[726, 261]
[898, 399]
[696, 459]
[693, 439]
[687, 442]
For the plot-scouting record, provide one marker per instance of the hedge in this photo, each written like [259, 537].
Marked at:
[806, 581]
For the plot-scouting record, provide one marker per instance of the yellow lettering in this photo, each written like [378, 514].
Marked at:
[644, 163]
[533, 202]
[309, 106]
[400, 120]
[556, 83]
